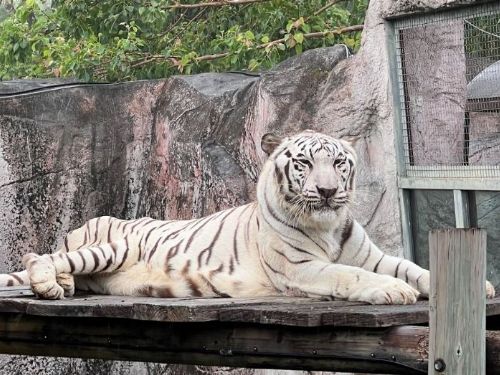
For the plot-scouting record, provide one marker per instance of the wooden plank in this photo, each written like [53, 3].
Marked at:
[205, 309]
[457, 301]
[492, 351]
[270, 310]
[493, 307]
[214, 343]
[394, 350]
[15, 291]
[343, 314]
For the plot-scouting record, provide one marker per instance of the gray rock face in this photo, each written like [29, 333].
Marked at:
[66, 155]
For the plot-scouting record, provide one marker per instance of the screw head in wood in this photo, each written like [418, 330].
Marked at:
[439, 365]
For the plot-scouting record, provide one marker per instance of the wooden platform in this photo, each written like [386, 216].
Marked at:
[274, 332]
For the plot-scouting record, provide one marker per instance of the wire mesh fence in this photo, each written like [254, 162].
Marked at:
[449, 92]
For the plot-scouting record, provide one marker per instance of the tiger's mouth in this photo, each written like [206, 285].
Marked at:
[304, 205]
[325, 205]
[333, 203]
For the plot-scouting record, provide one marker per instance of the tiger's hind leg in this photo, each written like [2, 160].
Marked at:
[51, 276]
[138, 280]
[42, 274]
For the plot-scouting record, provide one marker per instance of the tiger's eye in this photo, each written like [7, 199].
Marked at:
[337, 162]
[304, 162]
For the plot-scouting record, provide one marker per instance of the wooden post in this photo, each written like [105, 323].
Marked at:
[457, 302]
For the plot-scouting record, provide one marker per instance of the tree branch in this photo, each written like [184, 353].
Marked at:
[326, 6]
[319, 34]
[174, 60]
[213, 4]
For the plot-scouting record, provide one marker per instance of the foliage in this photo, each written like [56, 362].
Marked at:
[113, 40]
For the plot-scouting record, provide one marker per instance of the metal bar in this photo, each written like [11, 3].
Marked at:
[394, 68]
[478, 7]
[473, 219]
[462, 216]
[455, 171]
[404, 195]
[406, 224]
[424, 183]
[456, 7]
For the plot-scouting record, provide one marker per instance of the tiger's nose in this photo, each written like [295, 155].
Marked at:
[326, 193]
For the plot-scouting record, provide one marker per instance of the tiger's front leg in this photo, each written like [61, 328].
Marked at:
[359, 250]
[51, 276]
[320, 278]
[413, 274]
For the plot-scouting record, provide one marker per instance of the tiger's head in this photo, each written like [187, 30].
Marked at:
[312, 175]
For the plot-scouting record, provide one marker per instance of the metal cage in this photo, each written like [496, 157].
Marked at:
[445, 76]
[448, 93]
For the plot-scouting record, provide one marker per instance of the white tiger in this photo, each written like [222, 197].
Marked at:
[299, 238]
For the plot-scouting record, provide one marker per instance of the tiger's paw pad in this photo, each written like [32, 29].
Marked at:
[389, 291]
[42, 274]
[67, 282]
[490, 290]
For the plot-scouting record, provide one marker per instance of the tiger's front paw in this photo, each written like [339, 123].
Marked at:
[490, 290]
[424, 287]
[386, 290]
[424, 284]
[42, 274]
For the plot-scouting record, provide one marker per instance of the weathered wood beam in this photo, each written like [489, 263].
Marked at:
[457, 301]
[303, 312]
[396, 350]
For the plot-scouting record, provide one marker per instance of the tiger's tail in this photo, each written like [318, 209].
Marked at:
[14, 279]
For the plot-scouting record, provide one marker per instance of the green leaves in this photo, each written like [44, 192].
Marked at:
[114, 40]
[298, 37]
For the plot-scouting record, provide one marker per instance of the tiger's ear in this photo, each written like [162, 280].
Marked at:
[269, 143]
[351, 140]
